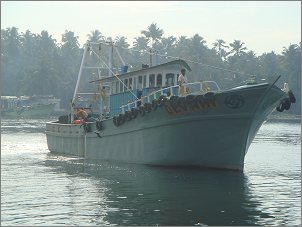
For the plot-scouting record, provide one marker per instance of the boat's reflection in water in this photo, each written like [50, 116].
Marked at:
[129, 194]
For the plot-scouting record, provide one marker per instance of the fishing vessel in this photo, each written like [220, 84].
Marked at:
[143, 119]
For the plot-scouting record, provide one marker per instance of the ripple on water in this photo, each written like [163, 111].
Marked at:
[38, 188]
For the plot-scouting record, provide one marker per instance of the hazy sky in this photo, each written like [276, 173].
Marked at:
[262, 25]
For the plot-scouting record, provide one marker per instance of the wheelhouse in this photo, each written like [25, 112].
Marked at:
[131, 86]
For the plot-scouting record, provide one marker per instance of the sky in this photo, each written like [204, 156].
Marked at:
[263, 26]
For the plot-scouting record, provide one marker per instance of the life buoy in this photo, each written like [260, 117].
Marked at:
[173, 101]
[142, 111]
[191, 102]
[121, 118]
[162, 100]
[200, 101]
[174, 98]
[154, 104]
[286, 103]
[116, 121]
[99, 125]
[128, 116]
[134, 113]
[148, 107]
[291, 96]
[210, 99]
[209, 95]
[169, 107]
[77, 122]
[181, 102]
[280, 108]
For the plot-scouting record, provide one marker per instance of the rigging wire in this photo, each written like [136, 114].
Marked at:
[114, 73]
[188, 60]
[156, 52]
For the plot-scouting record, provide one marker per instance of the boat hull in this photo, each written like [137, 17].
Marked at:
[217, 135]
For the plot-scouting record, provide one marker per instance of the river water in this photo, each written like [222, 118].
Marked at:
[39, 188]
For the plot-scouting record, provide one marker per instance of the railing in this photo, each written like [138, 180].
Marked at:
[190, 88]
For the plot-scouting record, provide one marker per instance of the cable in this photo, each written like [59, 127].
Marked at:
[114, 73]
[188, 60]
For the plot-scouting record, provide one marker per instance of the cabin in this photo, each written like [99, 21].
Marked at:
[141, 83]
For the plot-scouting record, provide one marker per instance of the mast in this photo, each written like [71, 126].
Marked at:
[110, 58]
[86, 46]
[150, 57]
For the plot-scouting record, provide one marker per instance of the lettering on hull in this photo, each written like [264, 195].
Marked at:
[191, 103]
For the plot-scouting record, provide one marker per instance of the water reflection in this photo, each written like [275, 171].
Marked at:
[142, 195]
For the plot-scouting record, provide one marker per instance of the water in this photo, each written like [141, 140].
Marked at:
[38, 188]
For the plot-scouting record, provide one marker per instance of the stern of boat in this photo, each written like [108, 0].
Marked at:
[67, 138]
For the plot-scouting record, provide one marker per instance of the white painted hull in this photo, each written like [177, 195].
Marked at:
[216, 136]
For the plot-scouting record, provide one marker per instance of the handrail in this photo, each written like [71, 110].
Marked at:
[154, 93]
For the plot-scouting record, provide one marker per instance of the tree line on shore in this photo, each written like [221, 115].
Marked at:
[37, 64]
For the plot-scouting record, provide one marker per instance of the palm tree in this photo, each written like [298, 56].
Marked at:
[12, 39]
[46, 37]
[27, 38]
[154, 33]
[197, 41]
[95, 36]
[291, 52]
[269, 63]
[219, 46]
[291, 61]
[167, 45]
[70, 38]
[169, 42]
[140, 43]
[121, 42]
[28, 49]
[182, 47]
[11, 58]
[238, 48]
[183, 42]
[70, 46]
[122, 45]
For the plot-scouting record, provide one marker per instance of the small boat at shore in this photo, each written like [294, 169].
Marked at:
[143, 119]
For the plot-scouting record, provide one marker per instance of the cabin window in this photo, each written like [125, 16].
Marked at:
[134, 82]
[159, 80]
[144, 81]
[116, 86]
[113, 87]
[130, 84]
[151, 80]
[121, 86]
[126, 84]
[140, 82]
[169, 79]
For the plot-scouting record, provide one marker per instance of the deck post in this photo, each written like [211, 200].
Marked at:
[78, 82]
